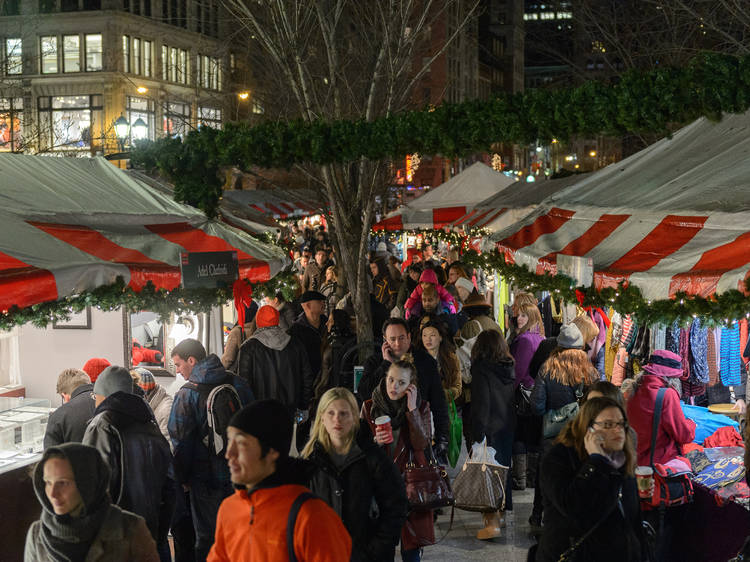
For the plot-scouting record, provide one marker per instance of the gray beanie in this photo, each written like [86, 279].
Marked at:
[113, 379]
[570, 337]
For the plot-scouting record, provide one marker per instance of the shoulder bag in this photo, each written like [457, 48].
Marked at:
[427, 484]
[480, 486]
[553, 421]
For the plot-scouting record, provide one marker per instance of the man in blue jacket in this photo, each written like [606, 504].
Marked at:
[203, 474]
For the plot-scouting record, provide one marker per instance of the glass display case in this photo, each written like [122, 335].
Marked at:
[23, 422]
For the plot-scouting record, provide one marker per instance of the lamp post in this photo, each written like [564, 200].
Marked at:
[140, 129]
[122, 128]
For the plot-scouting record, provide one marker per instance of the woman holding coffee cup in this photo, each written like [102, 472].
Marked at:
[351, 473]
[397, 398]
[590, 490]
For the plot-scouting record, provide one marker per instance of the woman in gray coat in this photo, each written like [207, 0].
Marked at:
[78, 520]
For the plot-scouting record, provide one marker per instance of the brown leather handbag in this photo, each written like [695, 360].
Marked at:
[427, 483]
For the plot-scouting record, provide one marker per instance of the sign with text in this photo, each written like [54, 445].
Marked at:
[208, 269]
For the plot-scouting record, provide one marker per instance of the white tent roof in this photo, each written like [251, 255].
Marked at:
[673, 217]
[72, 224]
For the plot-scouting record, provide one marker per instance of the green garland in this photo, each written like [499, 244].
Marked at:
[117, 294]
[451, 237]
[627, 299]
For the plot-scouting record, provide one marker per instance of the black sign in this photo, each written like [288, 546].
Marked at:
[208, 269]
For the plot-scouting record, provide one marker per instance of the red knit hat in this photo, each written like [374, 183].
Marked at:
[267, 316]
[95, 366]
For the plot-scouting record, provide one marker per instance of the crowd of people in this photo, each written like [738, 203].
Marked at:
[270, 452]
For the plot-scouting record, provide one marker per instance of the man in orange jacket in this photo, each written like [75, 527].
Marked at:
[252, 523]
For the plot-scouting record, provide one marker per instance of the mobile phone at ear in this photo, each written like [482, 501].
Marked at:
[592, 430]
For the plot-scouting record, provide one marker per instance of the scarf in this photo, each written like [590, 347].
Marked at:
[382, 405]
[67, 538]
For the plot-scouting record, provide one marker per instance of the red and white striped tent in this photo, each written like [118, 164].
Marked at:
[449, 201]
[69, 225]
[673, 217]
[276, 203]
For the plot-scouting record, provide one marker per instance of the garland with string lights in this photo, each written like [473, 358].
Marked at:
[625, 298]
[456, 239]
[162, 301]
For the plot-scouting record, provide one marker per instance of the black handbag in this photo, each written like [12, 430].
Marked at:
[523, 400]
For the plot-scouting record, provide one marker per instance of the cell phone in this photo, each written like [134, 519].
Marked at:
[592, 430]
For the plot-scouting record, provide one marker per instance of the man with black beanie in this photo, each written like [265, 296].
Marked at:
[268, 490]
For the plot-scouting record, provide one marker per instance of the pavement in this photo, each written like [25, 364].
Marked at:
[461, 543]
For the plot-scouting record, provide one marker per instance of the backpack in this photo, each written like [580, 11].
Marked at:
[221, 401]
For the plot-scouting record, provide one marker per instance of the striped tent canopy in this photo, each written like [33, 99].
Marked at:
[276, 203]
[449, 201]
[673, 217]
[68, 225]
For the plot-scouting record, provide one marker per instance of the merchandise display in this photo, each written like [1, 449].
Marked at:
[23, 422]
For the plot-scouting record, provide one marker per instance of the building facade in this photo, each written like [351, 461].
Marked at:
[71, 68]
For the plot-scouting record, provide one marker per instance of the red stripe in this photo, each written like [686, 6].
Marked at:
[491, 218]
[275, 209]
[25, 286]
[464, 218]
[704, 276]
[546, 224]
[391, 223]
[259, 209]
[670, 235]
[601, 229]
[446, 215]
[288, 207]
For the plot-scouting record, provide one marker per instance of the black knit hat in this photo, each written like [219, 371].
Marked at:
[269, 421]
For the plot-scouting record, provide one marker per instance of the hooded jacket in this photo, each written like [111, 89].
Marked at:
[125, 432]
[275, 366]
[493, 393]
[367, 492]
[115, 535]
[192, 459]
[161, 404]
[674, 429]
[413, 304]
[68, 422]
[251, 524]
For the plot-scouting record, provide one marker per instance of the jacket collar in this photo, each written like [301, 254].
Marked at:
[89, 388]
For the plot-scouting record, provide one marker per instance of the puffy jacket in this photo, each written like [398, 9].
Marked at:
[522, 349]
[674, 428]
[125, 432]
[187, 422]
[549, 394]
[492, 404]
[68, 422]
[579, 493]
[123, 537]
[367, 478]
[413, 304]
[251, 525]
[161, 404]
[275, 366]
[430, 387]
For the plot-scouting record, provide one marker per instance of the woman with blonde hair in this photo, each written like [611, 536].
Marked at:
[592, 510]
[352, 474]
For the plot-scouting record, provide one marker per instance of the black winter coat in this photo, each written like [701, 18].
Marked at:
[367, 493]
[141, 479]
[275, 366]
[541, 354]
[492, 398]
[68, 422]
[549, 394]
[579, 493]
[312, 340]
[430, 387]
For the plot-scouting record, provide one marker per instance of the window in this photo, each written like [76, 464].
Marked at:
[125, 53]
[209, 117]
[136, 47]
[69, 5]
[209, 72]
[49, 54]
[141, 108]
[176, 119]
[93, 52]
[71, 53]
[67, 122]
[10, 8]
[182, 69]
[47, 6]
[147, 59]
[11, 124]
[13, 60]
[173, 64]
[257, 107]
[164, 62]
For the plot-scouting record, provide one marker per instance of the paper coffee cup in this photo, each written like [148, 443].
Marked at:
[383, 423]
[644, 477]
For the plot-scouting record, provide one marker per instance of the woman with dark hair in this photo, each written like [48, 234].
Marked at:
[383, 287]
[590, 495]
[352, 474]
[398, 398]
[493, 415]
[433, 338]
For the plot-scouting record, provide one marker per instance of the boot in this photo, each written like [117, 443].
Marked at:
[491, 527]
[531, 468]
[519, 471]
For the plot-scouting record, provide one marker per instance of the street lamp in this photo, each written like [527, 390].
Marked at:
[140, 129]
[122, 128]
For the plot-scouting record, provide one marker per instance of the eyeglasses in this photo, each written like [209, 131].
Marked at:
[612, 424]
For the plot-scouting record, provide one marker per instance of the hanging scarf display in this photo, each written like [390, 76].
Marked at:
[698, 353]
[672, 338]
[712, 355]
[730, 355]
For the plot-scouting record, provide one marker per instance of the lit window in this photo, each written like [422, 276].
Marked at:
[13, 59]
[125, 53]
[182, 69]
[67, 122]
[71, 53]
[49, 54]
[143, 109]
[93, 52]
[176, 119]
[136, 55]
[147, 58]
[258, 107]
[173, 64]
[164, 62]
[11, 124]
[209, 117]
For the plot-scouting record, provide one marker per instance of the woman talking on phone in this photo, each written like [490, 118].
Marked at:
[591, 505]
[397, 398]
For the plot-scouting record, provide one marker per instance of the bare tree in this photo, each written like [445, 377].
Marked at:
[347, 59]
